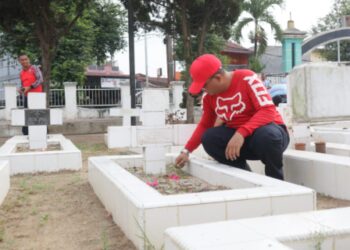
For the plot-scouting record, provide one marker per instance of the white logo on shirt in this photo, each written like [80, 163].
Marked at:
[259, 90]
[226, 108]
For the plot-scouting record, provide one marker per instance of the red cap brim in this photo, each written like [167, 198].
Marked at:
[196, 88]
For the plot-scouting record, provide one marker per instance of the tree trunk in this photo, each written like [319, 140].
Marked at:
[188, 59]
[47, 52]
[255, 38]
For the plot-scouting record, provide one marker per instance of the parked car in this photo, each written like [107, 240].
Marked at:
[278, 93]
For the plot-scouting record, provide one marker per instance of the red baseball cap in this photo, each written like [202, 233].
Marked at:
[202, 68]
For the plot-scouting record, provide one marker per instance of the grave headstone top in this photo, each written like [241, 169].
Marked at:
[36, 117]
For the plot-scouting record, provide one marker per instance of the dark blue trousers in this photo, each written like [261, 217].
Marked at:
[267, 144]
[25, 105]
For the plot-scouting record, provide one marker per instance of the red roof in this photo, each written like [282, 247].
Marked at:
[103, 71]
[234, 48]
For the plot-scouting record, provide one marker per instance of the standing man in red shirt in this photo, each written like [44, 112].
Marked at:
[252, 129]
[31, 81]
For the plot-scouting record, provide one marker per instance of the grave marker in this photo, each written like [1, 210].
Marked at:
[36, 117]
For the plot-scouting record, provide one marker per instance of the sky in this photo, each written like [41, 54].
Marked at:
[305, 14]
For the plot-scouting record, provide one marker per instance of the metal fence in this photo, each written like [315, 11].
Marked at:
[277, 78]
[20, 100]
[138, 97]
[96, 97]
[2, 98]
[57, 99]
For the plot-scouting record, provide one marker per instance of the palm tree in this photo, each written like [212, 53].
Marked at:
[259, 11]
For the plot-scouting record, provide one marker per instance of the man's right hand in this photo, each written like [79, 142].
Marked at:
[181, 160]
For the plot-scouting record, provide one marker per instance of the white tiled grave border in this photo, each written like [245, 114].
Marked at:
[140, 210]
[68, 158]
[4, 179]
[335, 148]
[327, 174]
[177, 133]
[326, 230]
[331, 134]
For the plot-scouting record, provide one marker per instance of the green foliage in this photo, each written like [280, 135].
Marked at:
[109, 25]
[97, 33]
[260, 15]
[193, 25]
[256, 65]
[197, 27]
[213, 44]
[332, 21]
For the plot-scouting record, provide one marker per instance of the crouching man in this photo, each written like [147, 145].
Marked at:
[252, 129]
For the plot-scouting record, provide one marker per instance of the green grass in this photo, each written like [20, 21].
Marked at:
[92, 148]
[44, 219]
[105, 243]
[2, 234]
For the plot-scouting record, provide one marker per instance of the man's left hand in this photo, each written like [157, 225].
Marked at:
[233, 147]
[26, 89]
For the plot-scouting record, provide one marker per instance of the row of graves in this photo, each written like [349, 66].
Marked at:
[208, 205]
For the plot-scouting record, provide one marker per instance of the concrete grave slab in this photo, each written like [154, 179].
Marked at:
[68, 158]
[36, 117]
[4, 179]
[139, 209]
[327, 174]
[327, 230]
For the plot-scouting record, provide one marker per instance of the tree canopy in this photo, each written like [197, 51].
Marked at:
[259, 14]
[63, 36]
[191, 23]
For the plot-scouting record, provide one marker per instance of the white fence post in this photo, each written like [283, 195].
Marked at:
[125, 95]
[177, 89]
[70, 94]
[10, 98]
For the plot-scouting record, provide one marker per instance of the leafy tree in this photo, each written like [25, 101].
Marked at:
[332, 21]
[255, 64]
[109, 26]
[98, 32]
[260, 15]
[48, 20]
[189, 22]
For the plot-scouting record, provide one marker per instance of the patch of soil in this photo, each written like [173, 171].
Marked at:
[175, 181]
[326, 202]
[24, 147]
[60, 211]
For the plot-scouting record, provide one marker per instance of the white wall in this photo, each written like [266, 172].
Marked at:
[320, 92]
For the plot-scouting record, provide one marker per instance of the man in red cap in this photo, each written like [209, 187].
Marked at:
[252, 128]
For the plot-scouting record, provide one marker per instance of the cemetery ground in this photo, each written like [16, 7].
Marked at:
[61, 211]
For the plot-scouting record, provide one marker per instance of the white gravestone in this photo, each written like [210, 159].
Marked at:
[126, 113]
[36, 117]
[154, 136]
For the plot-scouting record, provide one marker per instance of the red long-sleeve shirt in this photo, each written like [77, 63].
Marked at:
[245, 105]
[32, 77]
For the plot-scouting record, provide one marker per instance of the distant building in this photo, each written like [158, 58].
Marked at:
[272, 59]
[108, 76]
[237, 55]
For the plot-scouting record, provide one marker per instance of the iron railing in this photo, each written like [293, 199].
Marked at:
[277, 78]
[57, 99]
[138, 97]
[2, 98]
[20, 100]
[96, 97]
